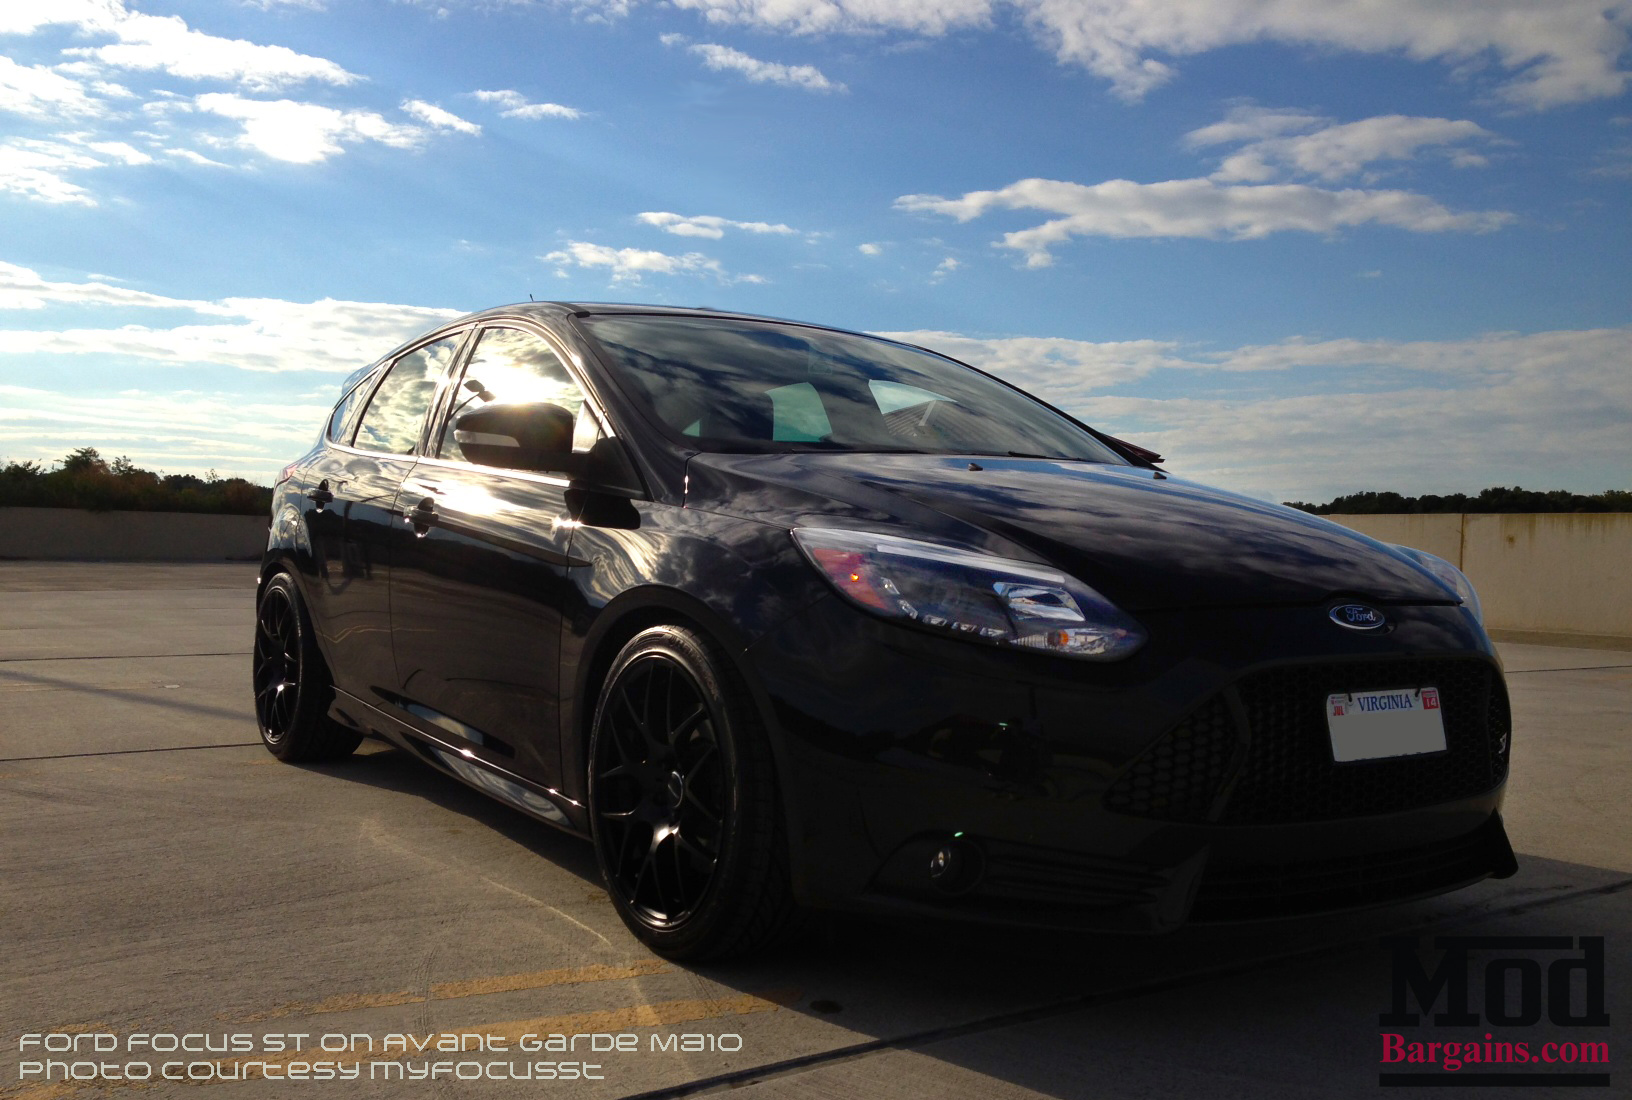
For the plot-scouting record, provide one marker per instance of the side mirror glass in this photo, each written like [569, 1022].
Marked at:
[518, 437]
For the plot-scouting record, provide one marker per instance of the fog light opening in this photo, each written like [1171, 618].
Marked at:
[956, 866]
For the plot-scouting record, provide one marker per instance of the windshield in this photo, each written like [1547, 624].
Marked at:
[728, 385]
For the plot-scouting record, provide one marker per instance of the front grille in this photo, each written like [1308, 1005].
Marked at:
[1278, 768]
[1313, 886]
[1289, 774]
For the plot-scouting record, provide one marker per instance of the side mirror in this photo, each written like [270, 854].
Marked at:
[518, 437]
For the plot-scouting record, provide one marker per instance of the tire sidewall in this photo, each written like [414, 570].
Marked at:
[312, 734]
[690, 654]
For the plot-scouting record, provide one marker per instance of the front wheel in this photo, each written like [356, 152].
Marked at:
[291, 682]
[683, 802]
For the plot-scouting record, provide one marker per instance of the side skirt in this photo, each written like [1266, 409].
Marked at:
[533, 799]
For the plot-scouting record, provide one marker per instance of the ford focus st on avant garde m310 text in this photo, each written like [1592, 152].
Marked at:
[782, 617]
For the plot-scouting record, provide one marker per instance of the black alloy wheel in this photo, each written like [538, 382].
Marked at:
[683, 802]
[291, 682]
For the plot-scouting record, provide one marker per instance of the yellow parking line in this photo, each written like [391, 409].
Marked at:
[539, 979]
[475, 987]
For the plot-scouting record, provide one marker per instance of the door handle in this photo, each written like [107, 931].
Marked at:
[423, 517]
[321, 495]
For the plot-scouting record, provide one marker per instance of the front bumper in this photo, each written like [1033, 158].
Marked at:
[1191, 782]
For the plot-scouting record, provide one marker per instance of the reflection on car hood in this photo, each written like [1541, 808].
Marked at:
[1143, 541]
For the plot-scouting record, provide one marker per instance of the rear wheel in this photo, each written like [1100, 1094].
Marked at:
[682, 797]
[291, 682]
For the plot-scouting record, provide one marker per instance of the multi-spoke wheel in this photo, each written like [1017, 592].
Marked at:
[683, 801]
[291, 683]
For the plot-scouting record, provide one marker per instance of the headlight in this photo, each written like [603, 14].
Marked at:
[1452, 577]
[971, 595]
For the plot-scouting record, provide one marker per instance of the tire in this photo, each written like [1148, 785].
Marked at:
[683, 803]
[291, 683]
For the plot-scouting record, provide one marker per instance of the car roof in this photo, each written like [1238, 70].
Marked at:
[605, 309]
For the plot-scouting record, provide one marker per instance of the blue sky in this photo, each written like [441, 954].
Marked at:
[1302, 248]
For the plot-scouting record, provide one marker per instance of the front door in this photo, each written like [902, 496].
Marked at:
[477, 590]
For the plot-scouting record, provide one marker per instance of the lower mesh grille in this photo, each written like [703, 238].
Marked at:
[1279, 768]
[1313, 886]
[1048, 876]
[1178, 778]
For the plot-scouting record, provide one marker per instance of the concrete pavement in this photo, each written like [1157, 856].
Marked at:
[161, 875]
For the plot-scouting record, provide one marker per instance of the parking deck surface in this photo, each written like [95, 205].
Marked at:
[161, 874]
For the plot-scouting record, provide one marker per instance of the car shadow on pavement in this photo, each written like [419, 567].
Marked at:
[1286, 1008]
[386, 767]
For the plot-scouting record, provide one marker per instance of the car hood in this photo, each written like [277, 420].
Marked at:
[1143, 540]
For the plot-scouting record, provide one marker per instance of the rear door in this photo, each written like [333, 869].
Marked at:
[477, 589]
[357, 486]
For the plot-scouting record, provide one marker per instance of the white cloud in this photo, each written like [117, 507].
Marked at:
[35, 91]
[39, 170]
[192, 156]
[305, 133]
[723, 59]
[121, 151]
[628, 265]
[870, 248]
[708, 225]
[23, 288]
[1545, 409]
[165, 43]
[513, 104]
[1250, 122]
[432, 115]
[1060, 370]
[265, 334]
[932, 17]
[1332, 151]
[1560, 51]
[945, 268]
[1195, 208]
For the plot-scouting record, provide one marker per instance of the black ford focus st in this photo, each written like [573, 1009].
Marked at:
[782, 617]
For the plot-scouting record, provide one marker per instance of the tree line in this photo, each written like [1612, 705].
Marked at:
[84, 479]
[1497, 499]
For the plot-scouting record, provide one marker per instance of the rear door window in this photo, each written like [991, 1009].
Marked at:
[396, 413]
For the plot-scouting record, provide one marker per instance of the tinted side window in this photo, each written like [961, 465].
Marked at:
[513, 367]
[397, 411]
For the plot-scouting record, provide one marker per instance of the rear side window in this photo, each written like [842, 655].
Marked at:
[396, 413]
[344, 420]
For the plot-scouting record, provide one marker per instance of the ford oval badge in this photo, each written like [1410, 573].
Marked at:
[1357, 616]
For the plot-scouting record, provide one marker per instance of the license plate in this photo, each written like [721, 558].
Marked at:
[1375, 725]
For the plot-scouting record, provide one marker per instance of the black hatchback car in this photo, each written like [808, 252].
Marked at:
[783, 617]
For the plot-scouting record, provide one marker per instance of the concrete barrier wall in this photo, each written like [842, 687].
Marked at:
[69, 534]
[1539, 573]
